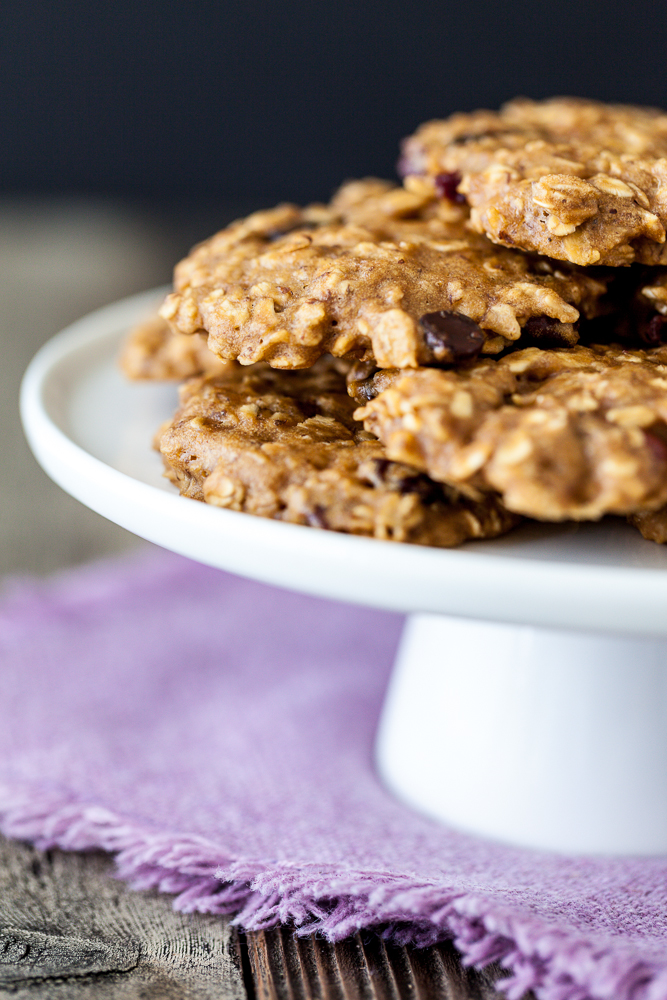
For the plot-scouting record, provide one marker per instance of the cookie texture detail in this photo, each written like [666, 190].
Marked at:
[285, 445]
[576, 180]
[652, 524]
[356, 277]
[558, 434]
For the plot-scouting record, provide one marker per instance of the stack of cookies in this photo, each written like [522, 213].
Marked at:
[430, 362]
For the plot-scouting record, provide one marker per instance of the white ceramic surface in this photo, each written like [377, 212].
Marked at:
[539, 737]
[546, 738]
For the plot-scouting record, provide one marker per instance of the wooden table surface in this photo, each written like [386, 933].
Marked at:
[68, 929]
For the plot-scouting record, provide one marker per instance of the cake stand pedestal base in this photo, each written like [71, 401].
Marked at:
[537, 737]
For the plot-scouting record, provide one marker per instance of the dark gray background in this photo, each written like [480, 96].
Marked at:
[268, 100]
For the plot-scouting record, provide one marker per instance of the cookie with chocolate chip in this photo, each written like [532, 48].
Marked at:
[381, 273]
[576, 180]
[557, 434]
[284, 445]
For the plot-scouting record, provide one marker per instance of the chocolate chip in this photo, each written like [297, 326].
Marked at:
[451, 337]
[446, 185]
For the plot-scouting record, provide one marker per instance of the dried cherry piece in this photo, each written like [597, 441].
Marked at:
[654, 332]
[451, 337]
[446, 185]
[656, 445]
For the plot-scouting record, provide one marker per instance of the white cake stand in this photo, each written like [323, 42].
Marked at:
[529, 701]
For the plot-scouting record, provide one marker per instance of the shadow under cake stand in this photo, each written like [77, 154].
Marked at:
[529, 696]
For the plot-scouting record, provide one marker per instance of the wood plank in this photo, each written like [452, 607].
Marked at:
[438, 973]
[68, 929]
[361, 968]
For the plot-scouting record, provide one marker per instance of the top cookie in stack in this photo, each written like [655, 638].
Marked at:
[506, 255]
[574, 180]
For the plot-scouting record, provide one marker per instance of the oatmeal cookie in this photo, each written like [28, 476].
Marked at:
[652, 524]
[152, 350]
[558, 434]
[573, 179]
[284, 445]
[368, 276]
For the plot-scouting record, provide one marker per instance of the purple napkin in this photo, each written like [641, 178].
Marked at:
[217, 734]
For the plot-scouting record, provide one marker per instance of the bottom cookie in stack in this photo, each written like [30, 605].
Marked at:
[285, 445]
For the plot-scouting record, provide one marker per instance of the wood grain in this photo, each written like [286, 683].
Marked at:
[361, 968]
[69, 929]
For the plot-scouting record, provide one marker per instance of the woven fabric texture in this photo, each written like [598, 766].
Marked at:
[217, 736]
